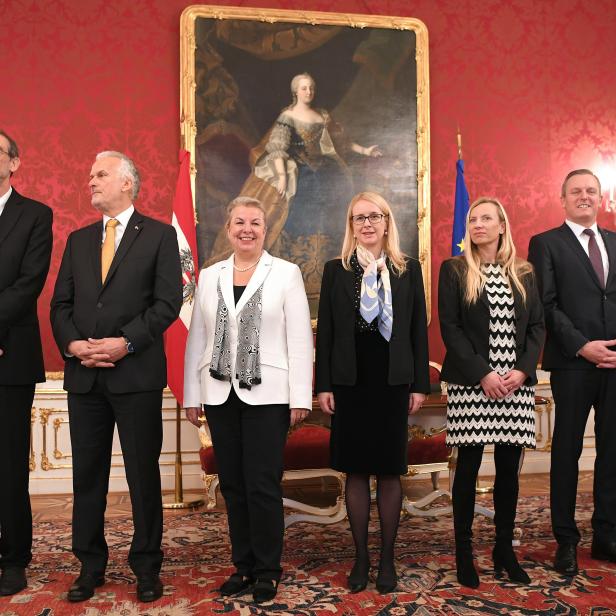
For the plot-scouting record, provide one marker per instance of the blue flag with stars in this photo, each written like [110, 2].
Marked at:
[460, 211]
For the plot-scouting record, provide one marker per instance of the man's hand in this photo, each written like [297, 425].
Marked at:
[1, 352]
[98, 353]
[326, 402]
[415, 402]
[598, 352]
[493, 386]
[89, 355]
[514, 379]
[114, 348]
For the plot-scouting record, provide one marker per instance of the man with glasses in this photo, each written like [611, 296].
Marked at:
[25, 252]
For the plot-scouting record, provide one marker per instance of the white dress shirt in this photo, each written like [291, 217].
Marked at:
[122, 218]
[584, 239]
[4, 198]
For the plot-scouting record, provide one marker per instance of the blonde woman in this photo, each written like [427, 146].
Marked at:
[371, 371]
[492, 325]
[249, 367]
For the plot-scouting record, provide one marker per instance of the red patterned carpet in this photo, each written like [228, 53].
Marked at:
[316, 561]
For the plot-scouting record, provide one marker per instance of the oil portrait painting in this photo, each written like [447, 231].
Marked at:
[302, 111]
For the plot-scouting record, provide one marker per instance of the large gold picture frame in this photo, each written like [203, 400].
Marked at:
[372, 87]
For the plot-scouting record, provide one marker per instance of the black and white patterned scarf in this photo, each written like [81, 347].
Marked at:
[247, 362]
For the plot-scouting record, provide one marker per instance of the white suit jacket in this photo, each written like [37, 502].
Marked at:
[285, 340]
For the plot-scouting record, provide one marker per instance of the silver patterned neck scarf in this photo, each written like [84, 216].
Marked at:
[247, 362]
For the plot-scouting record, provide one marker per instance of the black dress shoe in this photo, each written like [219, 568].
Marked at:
[565, 561]
[83, 587]
[235, 584]
[149, 587]
[12, 580]
[264, 590]
[603, 550]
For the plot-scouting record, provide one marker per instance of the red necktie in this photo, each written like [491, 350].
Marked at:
[595, 255]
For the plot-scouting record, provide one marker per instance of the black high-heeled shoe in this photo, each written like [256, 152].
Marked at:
[504, 558]
[387, 582]
[465, 570]
[357, 580]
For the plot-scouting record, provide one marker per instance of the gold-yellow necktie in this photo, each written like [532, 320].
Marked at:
[108, 249]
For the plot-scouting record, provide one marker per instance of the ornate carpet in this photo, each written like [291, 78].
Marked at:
[316, 562]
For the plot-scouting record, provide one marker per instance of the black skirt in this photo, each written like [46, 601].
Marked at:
[369, 426]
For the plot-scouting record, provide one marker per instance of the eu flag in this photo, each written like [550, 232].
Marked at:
[460, 211]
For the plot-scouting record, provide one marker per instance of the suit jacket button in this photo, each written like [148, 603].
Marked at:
[99, 305]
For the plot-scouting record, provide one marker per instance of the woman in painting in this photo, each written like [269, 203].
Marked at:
[492, 325]
[371, 372]
[249, 363]
[300, 176]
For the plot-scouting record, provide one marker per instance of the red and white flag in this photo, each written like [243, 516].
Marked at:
[184, 223]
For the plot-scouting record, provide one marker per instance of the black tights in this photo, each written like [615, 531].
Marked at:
[389, 503]
[506, 462]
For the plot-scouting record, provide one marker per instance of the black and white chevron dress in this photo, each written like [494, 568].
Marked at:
[474, 419]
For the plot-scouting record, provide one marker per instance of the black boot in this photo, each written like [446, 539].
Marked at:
[465, 568]
[463, 501]
[507, 460]
[504, 558]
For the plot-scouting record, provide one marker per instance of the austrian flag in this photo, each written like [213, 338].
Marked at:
[184, 223]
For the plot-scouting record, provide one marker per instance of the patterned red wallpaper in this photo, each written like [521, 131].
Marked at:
[531, 84]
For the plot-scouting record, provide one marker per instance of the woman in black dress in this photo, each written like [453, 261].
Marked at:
[492, 325]
[371, 371]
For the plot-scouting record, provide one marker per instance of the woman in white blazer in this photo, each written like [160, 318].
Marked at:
[249, 363]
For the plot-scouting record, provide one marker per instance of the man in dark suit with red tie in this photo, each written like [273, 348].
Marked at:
[576, 270]
[118, 289]
[25, 252]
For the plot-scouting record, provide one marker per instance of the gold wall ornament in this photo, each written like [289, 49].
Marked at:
[44, 415]
[32, 461]
[211, 101]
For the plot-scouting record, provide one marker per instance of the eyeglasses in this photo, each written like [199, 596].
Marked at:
[4, 152]
[374, 219]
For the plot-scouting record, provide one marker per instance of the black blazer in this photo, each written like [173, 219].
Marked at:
[408, 347]
[466, 328]
[577, 308]
[25, 251]
[141, 297]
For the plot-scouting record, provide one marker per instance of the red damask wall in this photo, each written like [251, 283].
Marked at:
[531, 83]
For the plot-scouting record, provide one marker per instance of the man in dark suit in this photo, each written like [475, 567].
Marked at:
[576, 270]
[25, 252]
[118, 289]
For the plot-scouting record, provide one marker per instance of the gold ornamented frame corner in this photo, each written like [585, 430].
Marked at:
[188, 90]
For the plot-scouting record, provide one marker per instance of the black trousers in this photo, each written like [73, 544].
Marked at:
[575, 392]
[506, 487]
[139, 419]
[15, 512]
[249, 444]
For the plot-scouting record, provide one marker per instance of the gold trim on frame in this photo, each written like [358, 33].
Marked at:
[188, 87]
[55, 376]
